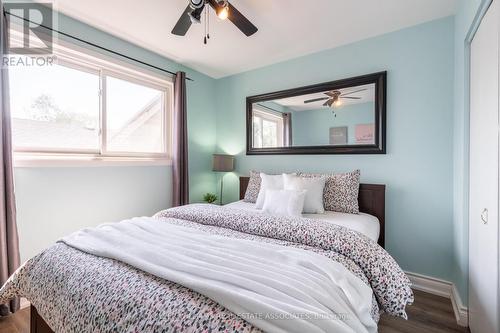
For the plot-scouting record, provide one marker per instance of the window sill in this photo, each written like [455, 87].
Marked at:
[23, 160]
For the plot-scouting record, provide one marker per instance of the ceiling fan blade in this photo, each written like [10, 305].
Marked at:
[315, 100]
[330, 102]
[353, 92]
[240, 21]
[326, 103]
[182, 26]
[347, 97]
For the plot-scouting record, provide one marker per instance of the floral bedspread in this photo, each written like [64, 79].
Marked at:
[78, 292]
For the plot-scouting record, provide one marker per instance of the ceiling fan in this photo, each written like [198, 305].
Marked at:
[335, 97]
[224, 10]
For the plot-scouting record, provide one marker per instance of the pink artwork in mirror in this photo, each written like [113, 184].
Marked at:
[365, 134]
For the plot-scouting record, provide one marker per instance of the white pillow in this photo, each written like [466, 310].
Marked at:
[283, 202]
[313, 203]
[268, 182]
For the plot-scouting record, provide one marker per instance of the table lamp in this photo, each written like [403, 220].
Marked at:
[222, 163]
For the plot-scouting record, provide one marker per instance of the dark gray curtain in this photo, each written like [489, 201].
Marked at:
[287, 129]
[9, 242]
[180, 172]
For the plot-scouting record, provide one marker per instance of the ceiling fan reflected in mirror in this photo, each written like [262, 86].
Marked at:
[224, 10]
[335, 98]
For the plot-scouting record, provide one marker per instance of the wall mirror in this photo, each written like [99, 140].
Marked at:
[340, 117]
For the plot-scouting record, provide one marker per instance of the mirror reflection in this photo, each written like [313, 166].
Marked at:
[338, 117]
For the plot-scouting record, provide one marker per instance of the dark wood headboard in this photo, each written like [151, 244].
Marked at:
[371, 201]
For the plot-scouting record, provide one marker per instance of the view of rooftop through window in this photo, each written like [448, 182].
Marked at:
[134, 117]
[59, 109]
[54, 108]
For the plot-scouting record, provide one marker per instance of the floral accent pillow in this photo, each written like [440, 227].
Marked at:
[253, 187]
[341, 191]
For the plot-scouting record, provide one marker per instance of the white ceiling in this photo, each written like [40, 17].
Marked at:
[287, 29]
[297, 103]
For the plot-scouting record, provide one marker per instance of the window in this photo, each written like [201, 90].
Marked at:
[268, 129]
[85, 107]
[50, 115]
[134, 119]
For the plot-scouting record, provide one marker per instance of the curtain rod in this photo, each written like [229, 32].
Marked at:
[95, 45]
[269, 108]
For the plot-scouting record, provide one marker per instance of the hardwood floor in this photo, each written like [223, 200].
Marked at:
[429, 314]
[17, 323]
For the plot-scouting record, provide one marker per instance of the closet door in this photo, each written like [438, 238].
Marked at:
[484, 180]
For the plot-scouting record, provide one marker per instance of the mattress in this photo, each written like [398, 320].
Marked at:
[363, 223]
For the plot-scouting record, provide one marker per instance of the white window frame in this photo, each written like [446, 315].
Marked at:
[271, 117]
[72, 56]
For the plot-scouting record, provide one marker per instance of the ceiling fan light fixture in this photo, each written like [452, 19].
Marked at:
[223, 12]
[338, 103]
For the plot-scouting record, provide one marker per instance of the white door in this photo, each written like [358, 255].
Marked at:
[484, 180]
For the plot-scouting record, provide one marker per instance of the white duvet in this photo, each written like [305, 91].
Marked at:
[275, 288]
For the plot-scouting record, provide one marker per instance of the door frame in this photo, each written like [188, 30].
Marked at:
[481, 12]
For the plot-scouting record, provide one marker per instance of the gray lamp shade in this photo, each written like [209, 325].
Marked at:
[223, 163]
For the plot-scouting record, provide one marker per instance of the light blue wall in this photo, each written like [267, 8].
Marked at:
[467, 10]
[52, 202]
[418, 166]
[312, 127]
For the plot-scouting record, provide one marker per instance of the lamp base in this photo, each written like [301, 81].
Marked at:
[221, 189]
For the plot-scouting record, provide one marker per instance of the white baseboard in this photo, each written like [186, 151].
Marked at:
[441, 288]
[430, 285]
[461, 311]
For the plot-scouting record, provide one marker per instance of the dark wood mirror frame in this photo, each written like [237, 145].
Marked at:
[380, 81]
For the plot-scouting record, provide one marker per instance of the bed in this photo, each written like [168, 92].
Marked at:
[81, 285]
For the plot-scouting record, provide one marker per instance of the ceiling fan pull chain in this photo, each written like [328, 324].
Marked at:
[208, 25]
[206, 34]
